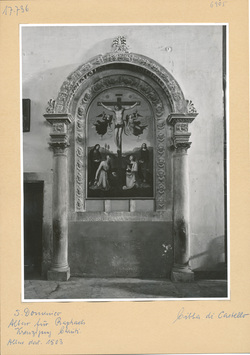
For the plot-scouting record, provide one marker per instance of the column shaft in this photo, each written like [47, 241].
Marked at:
[59, 270]
[181, 270]
[181, 224]
[60, 217]
[181, 209]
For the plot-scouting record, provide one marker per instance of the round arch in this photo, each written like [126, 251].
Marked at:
[134, 62]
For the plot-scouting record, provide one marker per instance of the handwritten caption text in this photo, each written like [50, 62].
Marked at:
[36, 328]
[185, 315]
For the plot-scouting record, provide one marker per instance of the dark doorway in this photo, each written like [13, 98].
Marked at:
[33, 221]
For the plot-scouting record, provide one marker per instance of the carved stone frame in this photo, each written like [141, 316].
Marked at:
[90, 76]
[75, 96]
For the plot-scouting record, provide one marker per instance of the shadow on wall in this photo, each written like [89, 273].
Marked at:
[213, 259]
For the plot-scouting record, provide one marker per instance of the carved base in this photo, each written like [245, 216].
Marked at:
[59, 275]
[182, 274]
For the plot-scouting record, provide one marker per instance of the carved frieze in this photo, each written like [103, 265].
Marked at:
[59, 128]
[181, 127]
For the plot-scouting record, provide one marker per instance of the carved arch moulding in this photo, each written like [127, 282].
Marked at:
[137, 62]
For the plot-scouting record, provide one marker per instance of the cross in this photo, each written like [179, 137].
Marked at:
[118, 102]
[118, 109]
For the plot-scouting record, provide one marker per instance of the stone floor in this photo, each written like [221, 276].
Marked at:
[95, 288]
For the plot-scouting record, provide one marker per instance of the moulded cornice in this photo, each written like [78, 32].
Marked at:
[58, 118]
[174, 118]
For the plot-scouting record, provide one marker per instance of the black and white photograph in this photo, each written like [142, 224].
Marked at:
[124, 162]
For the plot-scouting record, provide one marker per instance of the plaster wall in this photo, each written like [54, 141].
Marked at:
[193, 55]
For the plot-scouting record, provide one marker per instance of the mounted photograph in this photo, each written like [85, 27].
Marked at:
[125, 162]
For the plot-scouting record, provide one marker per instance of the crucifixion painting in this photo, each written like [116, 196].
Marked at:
[120, 146]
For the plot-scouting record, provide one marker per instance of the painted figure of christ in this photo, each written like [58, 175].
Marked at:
[118, 111]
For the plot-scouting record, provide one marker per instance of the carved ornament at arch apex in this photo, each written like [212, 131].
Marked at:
[141, 63]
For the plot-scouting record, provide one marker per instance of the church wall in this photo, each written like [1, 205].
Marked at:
[192, 54]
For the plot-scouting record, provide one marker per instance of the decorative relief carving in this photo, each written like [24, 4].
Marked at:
[79, 178]
[80, 111]
[79, 191]
[79, 204]
[79, 165]
[51, 106]
[161, 163]
[59, 139]
[181, 127]
[181, 135]
[161, 137]
[120, 44]
[59, 148]
[79, 138]
[190, 107]
[160, 125]
[79, 124]
[180, 146]
[176, 93]
[79, 158]
[79, 151]
[161, 167]
[59, 128]
[160, 149]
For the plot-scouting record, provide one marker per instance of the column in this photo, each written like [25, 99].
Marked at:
[181, 270]
[59, 142]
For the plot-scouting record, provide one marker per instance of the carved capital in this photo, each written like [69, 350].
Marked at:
[59, 139]
[59, 142]
[181, 147]
[59, 148]
[181, 134]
